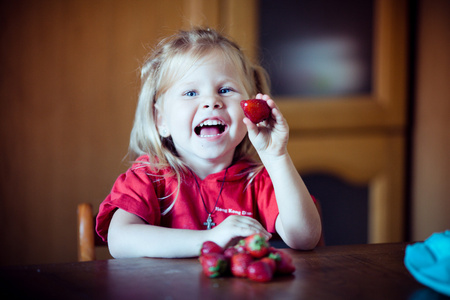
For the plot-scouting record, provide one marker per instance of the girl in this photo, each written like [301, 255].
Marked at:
[194, 168]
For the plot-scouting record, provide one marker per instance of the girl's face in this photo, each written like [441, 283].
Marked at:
[202, 113]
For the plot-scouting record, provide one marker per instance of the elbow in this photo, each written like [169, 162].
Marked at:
[113, 247]
[306, 242]
[115, 252]
[116, 245]
[304, 245]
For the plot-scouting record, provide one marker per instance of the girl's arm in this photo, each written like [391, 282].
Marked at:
[298, 222]
[130, 236]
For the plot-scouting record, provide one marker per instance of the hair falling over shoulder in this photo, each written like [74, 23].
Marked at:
[163, 66]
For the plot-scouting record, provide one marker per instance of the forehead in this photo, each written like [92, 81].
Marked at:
[181, 64]
[211, 64]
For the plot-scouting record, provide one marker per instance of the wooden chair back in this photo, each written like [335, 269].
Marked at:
[88, 239]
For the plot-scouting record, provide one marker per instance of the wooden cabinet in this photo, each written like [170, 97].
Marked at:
[68, 90]
[359, 138]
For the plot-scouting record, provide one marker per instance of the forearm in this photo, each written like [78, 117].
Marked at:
[298, 222]
[129, 236]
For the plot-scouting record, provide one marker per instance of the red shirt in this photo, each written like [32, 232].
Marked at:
[147, 194]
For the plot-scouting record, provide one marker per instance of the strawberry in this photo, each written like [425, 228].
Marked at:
[284, 263]
[213, 264]
[210, 247]
[240, 246]
[257, 245]
[229, 252]
[271, 262]
[239, 264]
[256, 110]
[259, 271]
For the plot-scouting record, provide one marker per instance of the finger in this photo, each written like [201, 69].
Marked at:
[248, 231]
[271, 103]
[265, 97]
[262, 96]
[275, 111]
[251, 127]
[253, 226]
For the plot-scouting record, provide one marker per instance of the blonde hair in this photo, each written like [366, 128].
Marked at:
[161, 69]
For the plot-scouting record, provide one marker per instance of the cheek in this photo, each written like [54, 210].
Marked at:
[241, 128]
[180, 116]
[238, 110]
[238, 114]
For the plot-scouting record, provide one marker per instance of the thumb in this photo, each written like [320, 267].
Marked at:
[252, 129]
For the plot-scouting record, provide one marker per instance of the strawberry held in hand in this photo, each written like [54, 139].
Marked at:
[256, 110]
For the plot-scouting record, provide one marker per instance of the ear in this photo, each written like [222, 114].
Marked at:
[160, 122]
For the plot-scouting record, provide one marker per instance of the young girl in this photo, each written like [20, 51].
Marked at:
[194, 167]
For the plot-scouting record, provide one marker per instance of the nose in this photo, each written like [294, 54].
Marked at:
[214, 102]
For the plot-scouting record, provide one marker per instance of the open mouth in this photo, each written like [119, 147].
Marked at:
[210, 128]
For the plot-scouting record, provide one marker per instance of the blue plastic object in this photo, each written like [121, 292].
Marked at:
[429, 262]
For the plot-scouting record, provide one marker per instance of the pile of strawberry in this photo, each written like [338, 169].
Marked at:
[252, 257]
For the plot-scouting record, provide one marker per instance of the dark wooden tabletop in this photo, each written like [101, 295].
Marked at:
[373, 271]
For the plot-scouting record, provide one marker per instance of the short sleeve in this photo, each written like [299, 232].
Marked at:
[133, 192]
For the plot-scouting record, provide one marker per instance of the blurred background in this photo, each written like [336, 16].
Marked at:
[364, 86]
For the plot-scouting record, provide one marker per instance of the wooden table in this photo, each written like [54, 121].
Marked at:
[336, 272]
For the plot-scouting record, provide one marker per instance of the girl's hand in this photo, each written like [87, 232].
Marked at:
[236, 226]
[271, 136]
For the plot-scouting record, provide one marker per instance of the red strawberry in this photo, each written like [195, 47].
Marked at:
[259, 271]
[210, 247]
[240, 246]
[229, 252]
[213, 264]
[257, 245]
[239, 264]
[283, 261]
[271, 262]
[256, 110]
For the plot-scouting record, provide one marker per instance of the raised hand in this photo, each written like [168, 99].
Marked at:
[269, 137]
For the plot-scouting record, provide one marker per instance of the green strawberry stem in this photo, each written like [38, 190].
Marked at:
[258, 243]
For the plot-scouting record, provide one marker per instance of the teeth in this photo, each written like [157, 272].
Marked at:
[210, 123]
[209, 135]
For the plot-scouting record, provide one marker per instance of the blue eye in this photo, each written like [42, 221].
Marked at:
[190, 93]
[224, 90]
